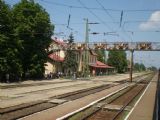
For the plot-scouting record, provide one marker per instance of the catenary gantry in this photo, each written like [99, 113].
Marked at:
[126, 46]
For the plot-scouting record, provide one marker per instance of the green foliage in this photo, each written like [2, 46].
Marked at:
[139, 67]
[101, 55]
[71, 38]
[118, 60]
[9, 45]
[25, 32]
[5, 19]
[153, 68]
[32, 26]
[70, 63]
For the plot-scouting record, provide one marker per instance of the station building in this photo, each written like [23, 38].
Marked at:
[56, 59]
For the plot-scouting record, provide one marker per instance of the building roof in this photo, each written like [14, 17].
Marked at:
[58, 41]
[99, 64]
[55, 57]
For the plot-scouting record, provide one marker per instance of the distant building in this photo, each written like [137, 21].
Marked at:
[54, 64]
[100, 68]
[56, 58]
[95, 67]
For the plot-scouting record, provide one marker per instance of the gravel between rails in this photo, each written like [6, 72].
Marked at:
[105, 114]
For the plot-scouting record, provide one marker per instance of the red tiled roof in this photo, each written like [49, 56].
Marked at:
[58, 41]
[55, 57]
[100, 65]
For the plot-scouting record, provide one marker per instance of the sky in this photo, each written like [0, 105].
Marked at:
[121, 20]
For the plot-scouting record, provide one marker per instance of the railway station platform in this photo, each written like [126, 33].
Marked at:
[144, 108]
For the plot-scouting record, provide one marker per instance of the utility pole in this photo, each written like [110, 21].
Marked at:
[86, 66]
[131, 65]
[86, 63]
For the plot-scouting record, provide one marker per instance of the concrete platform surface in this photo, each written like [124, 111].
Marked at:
[68, 107]
[144, 109]
[43, 90]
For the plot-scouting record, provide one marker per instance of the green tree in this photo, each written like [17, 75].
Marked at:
[136, 67]
[139, 67]
[101, 55]
[33, 27]
[153, 68]
[9, 45]
[118, 59]
[70, 63]
[142, 67]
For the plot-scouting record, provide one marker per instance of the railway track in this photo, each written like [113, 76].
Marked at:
[121, 102]
[112, 107]
[22, 110]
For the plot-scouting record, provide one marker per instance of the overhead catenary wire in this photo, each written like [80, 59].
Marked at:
[121, 18]
[95, 15]
[94, 8]
[138, 21]
[108, 14]
[104, 9]
[35, 33]
[67, 28]
[124, 22]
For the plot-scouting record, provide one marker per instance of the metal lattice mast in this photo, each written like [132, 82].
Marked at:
[86, 69]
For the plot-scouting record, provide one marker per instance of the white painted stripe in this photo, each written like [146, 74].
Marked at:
[69, 114]
[137, 101]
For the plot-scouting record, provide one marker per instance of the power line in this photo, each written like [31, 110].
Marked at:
[138, 21]
[109, 16]
[94, 8]
[132, 31]
[64, 24]
[95, 15]
[106, 11]
[103, 8]
[116, 22]
[133, 21]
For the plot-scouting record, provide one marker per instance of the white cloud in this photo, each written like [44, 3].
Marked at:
[153, 23]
